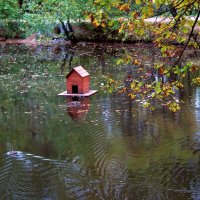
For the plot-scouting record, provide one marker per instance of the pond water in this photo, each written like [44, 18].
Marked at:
[102, 147]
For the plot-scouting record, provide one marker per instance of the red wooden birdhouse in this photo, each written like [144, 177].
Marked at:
[78, 81]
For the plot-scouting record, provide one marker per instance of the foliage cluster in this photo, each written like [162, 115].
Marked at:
[175, 26]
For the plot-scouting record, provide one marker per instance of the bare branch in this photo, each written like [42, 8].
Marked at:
[170, 9]
[195, 39]
[189, 38]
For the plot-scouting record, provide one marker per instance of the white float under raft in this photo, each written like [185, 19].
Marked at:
[87, 94]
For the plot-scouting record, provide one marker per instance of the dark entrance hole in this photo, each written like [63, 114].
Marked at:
[74, 89]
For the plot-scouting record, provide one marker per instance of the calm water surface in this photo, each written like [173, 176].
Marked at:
[102, 147]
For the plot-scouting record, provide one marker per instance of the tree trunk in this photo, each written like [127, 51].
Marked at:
[65, 29]
[20, 3]
[69, 33]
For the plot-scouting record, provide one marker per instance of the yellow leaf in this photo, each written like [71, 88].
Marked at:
[146, 104]
[137, 1]
[150, 11]
[136, 62]
[103, 25]
[124, 7]
[95, 23]
[110, 23]
[121, 28]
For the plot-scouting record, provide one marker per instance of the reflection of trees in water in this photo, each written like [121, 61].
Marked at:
[124, 117]
[32, 177]
[197, 105]
[67, 60]
[195, 182]
[24, 123]
[175, 168]
[107, 175]
[196, 135]
[26, 176]
[194, 188]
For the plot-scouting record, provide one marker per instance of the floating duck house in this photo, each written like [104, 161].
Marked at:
[78, 83]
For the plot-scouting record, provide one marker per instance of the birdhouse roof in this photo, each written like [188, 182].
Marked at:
[80, 70]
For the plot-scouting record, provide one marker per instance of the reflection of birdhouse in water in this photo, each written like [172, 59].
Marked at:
[78, 108]
[78, 83]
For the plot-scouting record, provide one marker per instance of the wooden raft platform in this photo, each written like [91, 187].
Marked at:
[87, 94]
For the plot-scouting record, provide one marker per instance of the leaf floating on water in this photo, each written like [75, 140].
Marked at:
[28, 113]
[75, 159]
